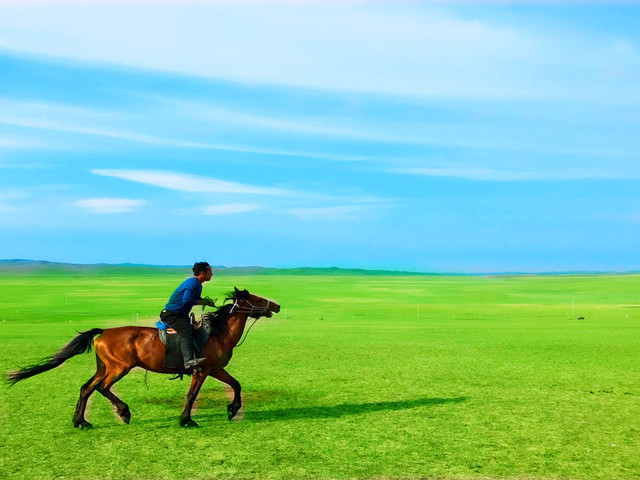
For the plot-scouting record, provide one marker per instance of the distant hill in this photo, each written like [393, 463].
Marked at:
[311, 271]
[20, 266]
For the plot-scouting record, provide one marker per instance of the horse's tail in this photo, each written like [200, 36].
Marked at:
[80, 344]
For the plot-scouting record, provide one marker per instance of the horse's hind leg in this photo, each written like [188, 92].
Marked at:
[196, 383]
[85, 392]
[122, 409]
[104, 387]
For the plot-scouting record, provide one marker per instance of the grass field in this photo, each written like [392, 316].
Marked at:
[358, 377]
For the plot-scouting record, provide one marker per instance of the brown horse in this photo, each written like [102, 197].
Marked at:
[118, 350]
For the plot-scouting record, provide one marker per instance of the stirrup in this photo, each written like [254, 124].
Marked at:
[194, 362]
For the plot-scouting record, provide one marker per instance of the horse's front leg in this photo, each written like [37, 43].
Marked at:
[222, 375]
[197, 380]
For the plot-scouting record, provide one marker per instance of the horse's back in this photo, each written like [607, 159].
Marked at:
[128, 334]
[132, 346]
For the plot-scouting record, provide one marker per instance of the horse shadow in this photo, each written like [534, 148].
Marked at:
[310, 412]
[345, 409]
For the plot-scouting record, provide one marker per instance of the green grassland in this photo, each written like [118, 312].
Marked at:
[358, 377]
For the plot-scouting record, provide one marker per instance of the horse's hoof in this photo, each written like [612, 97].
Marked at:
[232, 410]
[188, 423]
[125, 415]
[84, 425]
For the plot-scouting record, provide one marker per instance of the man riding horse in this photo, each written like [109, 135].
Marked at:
[176, 311]
[120, 349]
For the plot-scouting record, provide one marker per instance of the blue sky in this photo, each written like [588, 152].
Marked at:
[429, 136]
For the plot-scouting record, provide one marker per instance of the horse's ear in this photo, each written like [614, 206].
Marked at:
[236, 289]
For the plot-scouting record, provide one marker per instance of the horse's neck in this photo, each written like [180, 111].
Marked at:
[235, 328]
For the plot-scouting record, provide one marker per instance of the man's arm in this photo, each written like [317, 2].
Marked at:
[191, 296]
[207, 302]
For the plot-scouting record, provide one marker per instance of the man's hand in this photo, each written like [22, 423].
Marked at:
[207, 301]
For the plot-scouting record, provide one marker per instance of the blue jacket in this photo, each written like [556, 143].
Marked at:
[185, 296]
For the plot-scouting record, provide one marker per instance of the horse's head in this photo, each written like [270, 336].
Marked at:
[255, 306]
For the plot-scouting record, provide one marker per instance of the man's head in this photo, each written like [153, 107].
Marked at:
[202, 271]
[200, 267]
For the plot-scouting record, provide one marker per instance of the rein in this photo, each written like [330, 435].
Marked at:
[252, 311]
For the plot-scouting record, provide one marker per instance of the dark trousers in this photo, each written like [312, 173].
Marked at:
[178, 321]
[181, 324]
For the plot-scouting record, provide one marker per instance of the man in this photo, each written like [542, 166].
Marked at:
[176, 311]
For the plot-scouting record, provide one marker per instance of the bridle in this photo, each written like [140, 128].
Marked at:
[252, 310]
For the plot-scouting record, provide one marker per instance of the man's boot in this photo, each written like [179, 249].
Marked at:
[187, 345]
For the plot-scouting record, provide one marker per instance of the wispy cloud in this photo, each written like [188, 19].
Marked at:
[407, 49]
[11, 200]
[342, 212]
[7, 202]
[312, 124]
[16, 142]
[98, 122]
[230, 208]
[514, 175]
[110, 205]
[190, 183]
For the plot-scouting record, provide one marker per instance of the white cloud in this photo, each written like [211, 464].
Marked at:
[189, 183]
[312, 124]
[13, 200]
[408, 48]
[14, 195]
[110, 205]
[342, 212]
[97, 122]
[5, 207]
[63, 118]
[511, 175]
[230, 208]
[14, 142]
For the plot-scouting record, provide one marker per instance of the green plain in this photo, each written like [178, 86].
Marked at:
[358, 377]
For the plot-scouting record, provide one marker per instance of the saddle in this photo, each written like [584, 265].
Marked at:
[171, 339]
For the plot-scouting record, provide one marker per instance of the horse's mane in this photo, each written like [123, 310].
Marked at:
[218, 318]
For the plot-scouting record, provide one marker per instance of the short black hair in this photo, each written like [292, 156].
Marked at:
[200, 267]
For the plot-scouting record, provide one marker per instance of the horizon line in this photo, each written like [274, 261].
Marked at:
[400, 272]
